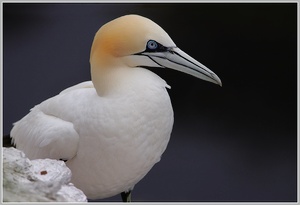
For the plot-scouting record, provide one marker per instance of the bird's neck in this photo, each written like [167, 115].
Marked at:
[109, 79]
[123, 81]
[104, 82]
[103, 69]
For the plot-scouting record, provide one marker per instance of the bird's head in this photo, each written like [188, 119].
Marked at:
[136, 41]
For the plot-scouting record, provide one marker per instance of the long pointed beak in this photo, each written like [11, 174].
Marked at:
[176, 59]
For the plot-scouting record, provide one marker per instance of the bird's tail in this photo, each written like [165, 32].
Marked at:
[7, 141]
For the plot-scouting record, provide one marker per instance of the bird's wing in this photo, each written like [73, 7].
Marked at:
[45, 132]
[40, 135]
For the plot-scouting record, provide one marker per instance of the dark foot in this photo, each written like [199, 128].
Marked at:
[126, 196]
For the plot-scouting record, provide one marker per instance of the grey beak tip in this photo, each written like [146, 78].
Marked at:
[216, 79]
[220, 84]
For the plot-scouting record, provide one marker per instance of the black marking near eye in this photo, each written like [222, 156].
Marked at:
[153, 46]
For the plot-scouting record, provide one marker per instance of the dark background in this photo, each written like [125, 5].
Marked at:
[235, 143]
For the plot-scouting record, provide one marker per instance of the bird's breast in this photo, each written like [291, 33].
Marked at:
[125, 135]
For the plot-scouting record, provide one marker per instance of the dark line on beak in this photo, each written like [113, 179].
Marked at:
[156, 62]
[174, 52]
[141, 54]
[192, 63]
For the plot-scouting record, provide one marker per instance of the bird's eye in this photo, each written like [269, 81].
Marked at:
[152, 45]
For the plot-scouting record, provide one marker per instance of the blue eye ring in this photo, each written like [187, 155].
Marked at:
[152, 45]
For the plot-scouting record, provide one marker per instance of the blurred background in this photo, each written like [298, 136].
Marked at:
[232, 143]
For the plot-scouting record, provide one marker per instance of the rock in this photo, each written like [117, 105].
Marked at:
[40, 180]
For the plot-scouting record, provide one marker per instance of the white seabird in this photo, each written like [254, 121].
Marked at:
[113, 129]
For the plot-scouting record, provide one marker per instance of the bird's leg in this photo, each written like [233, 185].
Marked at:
[126, 196]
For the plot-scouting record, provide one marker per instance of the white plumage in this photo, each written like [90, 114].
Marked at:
[113, 130]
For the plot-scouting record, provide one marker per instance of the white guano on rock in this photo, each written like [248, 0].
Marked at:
[40, 180]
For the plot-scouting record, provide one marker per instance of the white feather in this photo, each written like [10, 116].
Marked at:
[110, 142]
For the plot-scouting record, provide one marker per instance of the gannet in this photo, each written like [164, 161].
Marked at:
[113, 129]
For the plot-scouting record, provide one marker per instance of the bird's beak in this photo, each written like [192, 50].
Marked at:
[176, 59]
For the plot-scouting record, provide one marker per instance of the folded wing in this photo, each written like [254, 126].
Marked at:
[43, 134]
